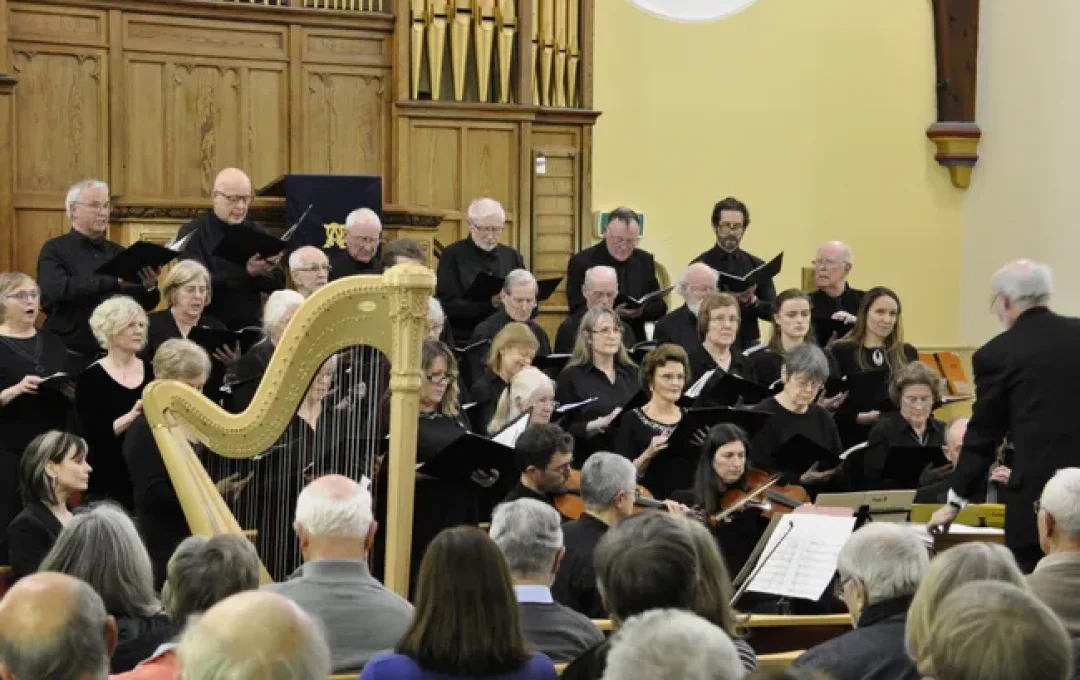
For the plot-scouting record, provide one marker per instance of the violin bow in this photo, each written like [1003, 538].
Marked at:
[749, 498]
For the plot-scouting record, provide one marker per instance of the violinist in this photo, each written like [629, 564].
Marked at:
[543, 453]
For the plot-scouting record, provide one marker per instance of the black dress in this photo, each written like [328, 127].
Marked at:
[847, 359]
[31, 536]
[163, 327]
[27, 415]
[701, 362]
[99, 400]
[891, 431]
[485, 392]
[243, 378]
[815, 424]
[669, 470]
[585, 381]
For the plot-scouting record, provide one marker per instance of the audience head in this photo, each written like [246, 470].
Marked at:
[646, 561]
[718, 320]
[1059, 512]
[995, 631]
[804, 373]
[436, 320]
[697, 281]
[52, 467]
[403, 250]
[948, 571]
[543, 454]
[609, 485]
[512, 349]
[486, 219]
[880, 561]
[20, 300]
[789, 673]
[222, 644]
[119, 324]
[232, 196]
[439, 389]
[880, 323]
[363, 234]
[601, 286]
[529, 534]
[466, 620]
[791, 319]
[89, 206]
[954, 438]
[622, 233]
[712, 595]
[334, 519]
[518, 295]
[529, 390]
[599, 336]
[182, 360]
[1019, 286]
[309, 269]
[187, 289]
[730, 219]
[54, 626]
[721, 465]
[832, 264]
[204, 571]
[102, 547]
[916, 389]
[278, 311]
[670, 643]
[664, 372]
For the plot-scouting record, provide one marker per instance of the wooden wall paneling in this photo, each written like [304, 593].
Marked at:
[120, 117]
[5, 22]
[33, 227]
[526, 73]
[296, 97]
[557, 212]
[7, 167]
[345, 120]
[490, 169]
[524, 191]
[434, 172]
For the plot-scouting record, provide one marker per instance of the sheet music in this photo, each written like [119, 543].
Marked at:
[567, 407]
[695, 389]
[853, 449]
[178, 246]
[509, 435]
[804, 564]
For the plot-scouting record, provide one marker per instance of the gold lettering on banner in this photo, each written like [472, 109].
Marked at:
[335, 235]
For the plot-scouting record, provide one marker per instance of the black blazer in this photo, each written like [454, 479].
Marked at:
[30, 537]
[637, 277]
[1024, 379]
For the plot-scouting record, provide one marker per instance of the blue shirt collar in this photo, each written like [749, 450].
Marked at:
[533, 594]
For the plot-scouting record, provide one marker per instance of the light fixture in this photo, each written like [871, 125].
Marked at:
[692, 10]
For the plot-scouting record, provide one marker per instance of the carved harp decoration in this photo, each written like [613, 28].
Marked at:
[385, 313]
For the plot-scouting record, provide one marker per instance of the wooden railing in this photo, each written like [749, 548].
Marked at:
[382, 6]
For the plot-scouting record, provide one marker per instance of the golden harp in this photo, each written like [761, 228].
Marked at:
[387, 313]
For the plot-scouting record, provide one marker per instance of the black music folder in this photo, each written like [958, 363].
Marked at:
[129, 262]
[904, 465]
[554, 363]
[484, 287]
[727, 389]
[239, 244]
[546, 287]
[213, 339]
[799, 453]
[757, 276]
[834, 385]
[478, 346]
[869, 391]
[630, 302]
[827, 329]
[468, 453]
[697, 421]
[638, 351]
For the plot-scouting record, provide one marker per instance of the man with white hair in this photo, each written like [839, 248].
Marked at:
[635, 268]
[242, 378]
[527, 532]
[879, 568]
[518, 298]
[601, 287]
[463, 261]
[1056, 579]
[363, 246]
[672, 643]
[309, 269]
[336, 529]
[67, 267]
[835, 303]
[1023, 386]
[681, 326]
[237, 288]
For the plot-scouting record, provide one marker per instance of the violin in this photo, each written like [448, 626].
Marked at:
[569, 504]
[760, 490]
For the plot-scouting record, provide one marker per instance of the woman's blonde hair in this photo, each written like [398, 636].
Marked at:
[522, 386]
[513, 334]
[433, 349]
[915, 373]
[9, 281]
[948, 571]
[178, 359]
[711, 303]
[113, 316]
[181, 274]
[583, 342]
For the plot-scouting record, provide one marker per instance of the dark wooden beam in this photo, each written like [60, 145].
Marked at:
[956, 43]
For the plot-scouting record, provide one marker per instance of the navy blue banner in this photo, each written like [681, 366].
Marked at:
[324, 201]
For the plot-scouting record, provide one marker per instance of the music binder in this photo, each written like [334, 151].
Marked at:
[904, 465]
[140, 255]
[461, 352]
[213, 339]
[755, 277]
[728, 389]
[868, 391]
[799, 453]
[484, 287]
[828, 329]
[546, 287]
[698, 421]
[640, 350]
[552, 362]
[458, 460]
[630, 302]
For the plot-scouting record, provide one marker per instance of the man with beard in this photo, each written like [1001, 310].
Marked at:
[681, 326]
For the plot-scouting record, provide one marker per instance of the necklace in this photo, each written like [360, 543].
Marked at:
[34, 358]
[878, 357]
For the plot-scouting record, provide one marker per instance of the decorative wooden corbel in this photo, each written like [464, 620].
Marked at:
[955, 134]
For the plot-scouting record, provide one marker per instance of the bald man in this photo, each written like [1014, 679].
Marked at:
[835, 303]
[54, 626]
[601, 287]
[363, 246]
[680, 326]
[309, 269]
[237, 289]
[254, 635]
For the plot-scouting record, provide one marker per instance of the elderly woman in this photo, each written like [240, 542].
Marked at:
[27, 356]
[513, 348]
[108, 395]
[103, 548]
[53, 469]
[718, 327]
[243, 377]
[914, 389]
[599, 369]
[529, 390]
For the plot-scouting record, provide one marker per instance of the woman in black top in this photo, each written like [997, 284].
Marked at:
[643, 433]
[599, 369]
[512, 349]
[718, 327]
[27, 355]
[876, 345]
[242, 378]
[53, 468]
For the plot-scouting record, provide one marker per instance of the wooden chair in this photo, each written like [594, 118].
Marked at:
[778, 660]
[771, 634]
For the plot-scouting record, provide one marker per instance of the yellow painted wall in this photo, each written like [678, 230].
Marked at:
[813, 112]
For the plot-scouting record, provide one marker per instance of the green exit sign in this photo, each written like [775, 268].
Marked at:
[603, 217]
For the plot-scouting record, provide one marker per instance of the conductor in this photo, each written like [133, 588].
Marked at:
[1023, 383]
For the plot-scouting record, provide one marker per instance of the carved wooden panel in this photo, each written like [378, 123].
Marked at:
[32, 229]
[206, 37]
[345, 118]
[330, 46]
[65, 25]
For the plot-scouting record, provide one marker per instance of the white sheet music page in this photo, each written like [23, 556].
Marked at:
[695, 389]
[804, 564]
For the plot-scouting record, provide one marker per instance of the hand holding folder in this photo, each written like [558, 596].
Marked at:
[132, 264]
[632, 303]
[755, 277]
[468, 454]
[214, 339]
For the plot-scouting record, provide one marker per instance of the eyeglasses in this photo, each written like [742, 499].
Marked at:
[827, 264]
[546, 401]
[96, 207]
[364, 240]
[804, 383]
[730, 226]
[25, 295]
[918, 401]
[606, 331]
[619, 241]
[233, 199]
[491, 231]
[439, 378]
[672, 377]
[314, 268]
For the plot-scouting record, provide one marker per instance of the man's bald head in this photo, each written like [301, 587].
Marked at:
[601, 286]
[232, 195]
[54, 626]
[309, 268]
[223, 643]
[832, 264]
[697, 281]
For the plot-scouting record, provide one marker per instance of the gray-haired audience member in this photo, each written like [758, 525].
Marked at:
[309, 269]
[529, 534]
[336, 529]
[1056, 579]
[608, 486]
[54, 626]
[880, 568]
[671, 643]
[254, 636]
[102, 547]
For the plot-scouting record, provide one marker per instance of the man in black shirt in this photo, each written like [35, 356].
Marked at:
[518, 304]
[681, 326]
[834, 299]
[543, 454]
[237, 289]
[601, 287]
[363, 246]
[635, 269]
[67, 273]
[462, 262]
[730, 220]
